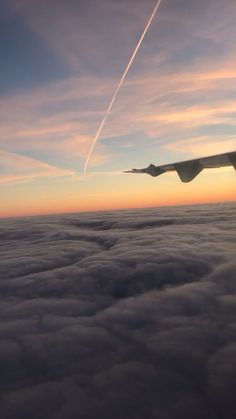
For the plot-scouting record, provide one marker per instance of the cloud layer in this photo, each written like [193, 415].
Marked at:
[121, 315]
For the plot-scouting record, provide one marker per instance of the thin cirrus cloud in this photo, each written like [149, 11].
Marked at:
[56, 121]
[79, 32]
[204, 145]
[180, 84]
[180, 112]
[17, 168]
[155, 109]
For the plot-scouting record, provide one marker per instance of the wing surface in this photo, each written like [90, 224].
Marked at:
[189, 169]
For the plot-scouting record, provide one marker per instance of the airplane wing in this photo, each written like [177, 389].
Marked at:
[189, 169]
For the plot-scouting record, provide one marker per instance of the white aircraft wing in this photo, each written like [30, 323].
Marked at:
[189, 169]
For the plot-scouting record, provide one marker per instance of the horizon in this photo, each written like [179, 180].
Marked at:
[198, 204]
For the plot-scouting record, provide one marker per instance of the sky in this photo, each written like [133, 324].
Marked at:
[61, 61]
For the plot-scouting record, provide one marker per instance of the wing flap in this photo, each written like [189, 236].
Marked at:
[232, 158]
[187, 171]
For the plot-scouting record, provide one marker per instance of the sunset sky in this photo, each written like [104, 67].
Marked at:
[61, 61]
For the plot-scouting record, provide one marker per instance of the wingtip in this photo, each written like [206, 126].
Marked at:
[130, 171]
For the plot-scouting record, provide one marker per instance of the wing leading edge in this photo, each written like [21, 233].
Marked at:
[189, 169]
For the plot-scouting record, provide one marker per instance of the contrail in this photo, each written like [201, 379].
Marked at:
[119, 86]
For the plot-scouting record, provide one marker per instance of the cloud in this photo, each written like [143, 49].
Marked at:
[16, 168]
[79, 34]
[119, 314]
[61, 120]
[205, 145]
[58, 121]
[181, 82]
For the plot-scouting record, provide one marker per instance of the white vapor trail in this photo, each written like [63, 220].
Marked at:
[119, 86]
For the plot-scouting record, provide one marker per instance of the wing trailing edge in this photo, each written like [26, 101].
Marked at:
[189, 169]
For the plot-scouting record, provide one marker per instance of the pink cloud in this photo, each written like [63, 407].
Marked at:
[18, 168]
[80, 34]
[152, 104]
[200, 146]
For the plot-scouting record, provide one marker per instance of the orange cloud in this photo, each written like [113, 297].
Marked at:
[204, 146]
[144, 105]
